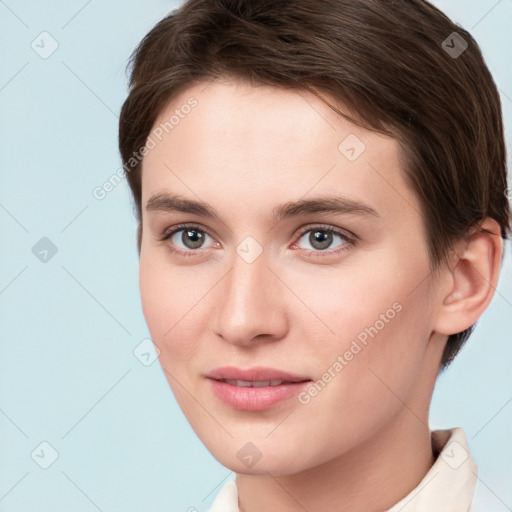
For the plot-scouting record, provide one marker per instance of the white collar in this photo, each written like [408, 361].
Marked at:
[447, 487]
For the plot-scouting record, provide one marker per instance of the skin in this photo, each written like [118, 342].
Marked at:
[245, 149]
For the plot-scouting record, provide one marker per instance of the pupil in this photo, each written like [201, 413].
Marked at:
[192, 238]
[322, 238]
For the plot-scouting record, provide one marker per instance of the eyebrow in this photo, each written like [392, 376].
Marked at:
[166, 202]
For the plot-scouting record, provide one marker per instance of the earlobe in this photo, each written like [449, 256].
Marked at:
[474, 277]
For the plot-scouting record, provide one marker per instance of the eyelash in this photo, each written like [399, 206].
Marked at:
[349, 239]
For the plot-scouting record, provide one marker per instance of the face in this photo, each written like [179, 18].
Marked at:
[309, 258]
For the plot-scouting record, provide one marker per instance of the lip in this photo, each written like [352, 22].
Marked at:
[257, 398]
[256, 373]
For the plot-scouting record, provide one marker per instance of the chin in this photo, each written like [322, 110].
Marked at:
[259, 457]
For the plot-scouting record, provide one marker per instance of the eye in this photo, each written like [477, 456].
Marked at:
[186, 239]
[190, 236]
[322, 237]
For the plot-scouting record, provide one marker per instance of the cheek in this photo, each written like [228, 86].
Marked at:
[376, 316]
[369, 367]
[163, 293]
[153, 297]
[368, 297]
[171, 300]
[157, 305]
[163, 310]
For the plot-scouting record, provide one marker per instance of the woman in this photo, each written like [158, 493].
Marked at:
[315, 246]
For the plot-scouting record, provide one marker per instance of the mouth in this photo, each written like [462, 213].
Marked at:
[261, 389]
[259, 383]
[257, 376]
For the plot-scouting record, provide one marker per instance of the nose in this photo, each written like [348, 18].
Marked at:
[249, 303]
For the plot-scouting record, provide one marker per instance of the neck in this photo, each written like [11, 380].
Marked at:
[373, 477]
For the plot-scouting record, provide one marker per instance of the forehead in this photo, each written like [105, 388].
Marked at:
[265, 145]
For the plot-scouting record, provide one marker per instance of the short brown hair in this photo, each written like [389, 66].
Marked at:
[402, 66]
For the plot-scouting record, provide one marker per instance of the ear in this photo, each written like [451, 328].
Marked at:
[472, 279]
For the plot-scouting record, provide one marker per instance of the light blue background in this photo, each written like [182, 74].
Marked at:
[68, 374]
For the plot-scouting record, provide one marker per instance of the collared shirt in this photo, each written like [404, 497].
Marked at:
[448, 486]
